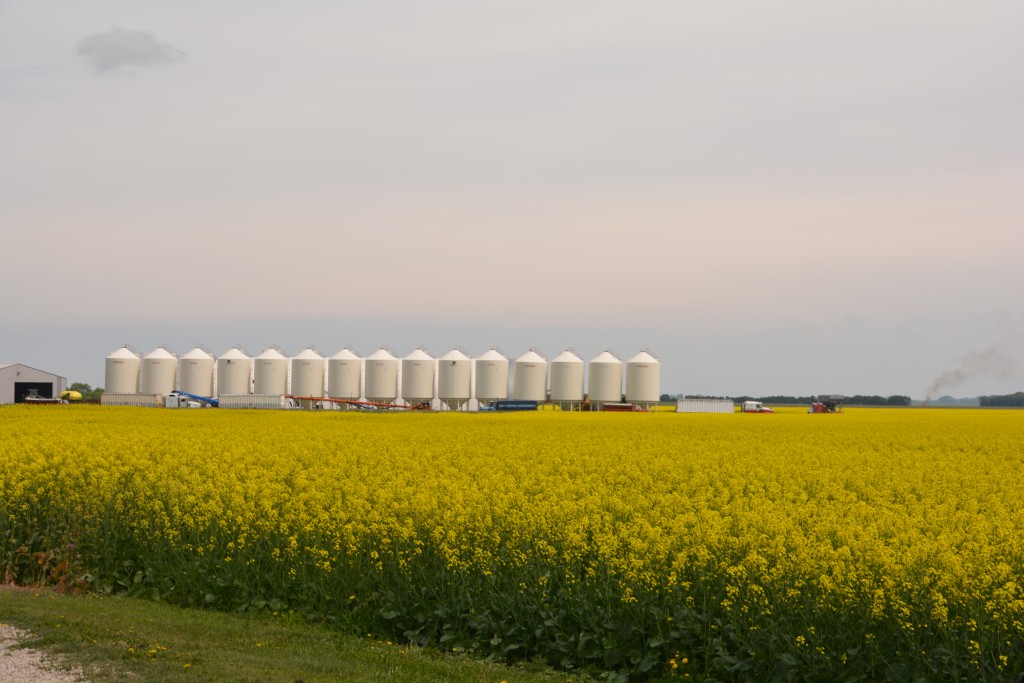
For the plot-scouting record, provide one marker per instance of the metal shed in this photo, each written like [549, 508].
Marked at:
[19, 381]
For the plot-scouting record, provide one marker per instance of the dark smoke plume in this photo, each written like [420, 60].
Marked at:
[994, 361]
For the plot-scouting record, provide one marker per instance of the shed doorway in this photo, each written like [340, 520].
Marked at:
[25, 389]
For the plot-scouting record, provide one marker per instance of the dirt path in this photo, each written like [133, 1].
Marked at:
[20, 665]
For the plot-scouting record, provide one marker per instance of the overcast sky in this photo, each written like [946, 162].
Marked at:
[773, 197]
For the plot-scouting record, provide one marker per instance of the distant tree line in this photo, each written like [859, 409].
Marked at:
[858, 400]
[946, 400]
[1005, 401]
[894, 400]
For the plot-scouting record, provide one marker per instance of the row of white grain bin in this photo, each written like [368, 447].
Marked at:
[377, 377]
[604, 380]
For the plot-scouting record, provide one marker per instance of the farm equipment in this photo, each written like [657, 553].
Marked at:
[362, 405]
[826, 403]
[44, 401]
[514, 405]
[34, 398]
[617, 407]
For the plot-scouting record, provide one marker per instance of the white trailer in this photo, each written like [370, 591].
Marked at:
[257, 401]
[134, 400]
[705, 405]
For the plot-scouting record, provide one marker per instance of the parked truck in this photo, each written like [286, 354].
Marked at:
[193, 400]
[755, 407]
[181, 400]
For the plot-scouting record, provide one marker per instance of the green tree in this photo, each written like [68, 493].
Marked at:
[1005, 401]
[88, 393]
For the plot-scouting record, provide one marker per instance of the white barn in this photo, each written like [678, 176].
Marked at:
[18, 381]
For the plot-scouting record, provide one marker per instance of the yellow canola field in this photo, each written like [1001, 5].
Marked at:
[736, 542]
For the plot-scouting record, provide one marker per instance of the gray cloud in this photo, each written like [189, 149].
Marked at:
[121, 48]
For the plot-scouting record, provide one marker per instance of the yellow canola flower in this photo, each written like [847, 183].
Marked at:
[908, 517]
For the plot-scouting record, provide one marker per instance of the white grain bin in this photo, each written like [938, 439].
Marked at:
[381, 371]
[605, 384]
[454, 378]
[122, 376]
[344, 375]
[159, 370]
[491, 377]
[418, 377]
[643, 379]
[270, 373]
[567, 378]
[195, 373]
[234, 373]
[530, 377]
[308, 375]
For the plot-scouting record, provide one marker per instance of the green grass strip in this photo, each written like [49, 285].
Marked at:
[118, 639]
